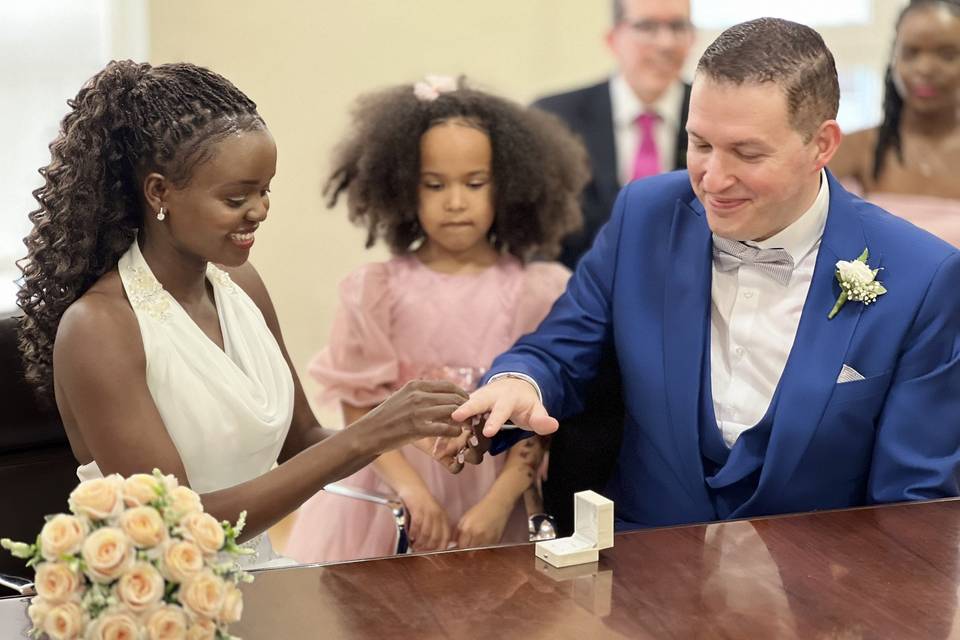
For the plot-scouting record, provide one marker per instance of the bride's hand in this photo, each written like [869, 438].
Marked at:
[419, 409]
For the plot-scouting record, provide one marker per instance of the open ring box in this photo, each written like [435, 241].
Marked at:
[593, 531]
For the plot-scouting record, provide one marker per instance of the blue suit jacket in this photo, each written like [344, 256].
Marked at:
[893, 436]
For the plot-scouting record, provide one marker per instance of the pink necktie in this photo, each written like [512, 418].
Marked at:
[646, 162]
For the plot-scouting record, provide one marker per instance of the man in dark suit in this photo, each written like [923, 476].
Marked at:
[633, 126]
[650, 40]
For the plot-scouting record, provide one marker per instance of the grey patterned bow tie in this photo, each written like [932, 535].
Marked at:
[730, 254]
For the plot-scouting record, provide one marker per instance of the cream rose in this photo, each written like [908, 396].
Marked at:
[64, 621]
[203, 530]
[202, 629]
[140, 489]
[181, 559]
[140, 587]
[62, 535]
[114, 625]
[144, 526]
[203, 594]
[38, 610]
[98, 499]
[107, 553]
[184, 501]
[232, 608]
[168, 622]
[55, 582]
[855, 271]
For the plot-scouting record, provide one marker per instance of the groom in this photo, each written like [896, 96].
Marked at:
[742, 397]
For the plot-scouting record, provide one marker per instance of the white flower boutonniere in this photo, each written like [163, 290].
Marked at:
[858, 282]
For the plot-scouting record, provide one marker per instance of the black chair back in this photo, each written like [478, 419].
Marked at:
[37, 468]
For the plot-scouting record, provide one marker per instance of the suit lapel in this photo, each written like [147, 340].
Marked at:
[686, 320]
[681, 148]
[603, 154]
[819, 347]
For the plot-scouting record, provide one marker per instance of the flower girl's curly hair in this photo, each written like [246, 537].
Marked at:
[539, 167]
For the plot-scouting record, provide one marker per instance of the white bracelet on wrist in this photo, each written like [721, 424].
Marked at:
[519, 376]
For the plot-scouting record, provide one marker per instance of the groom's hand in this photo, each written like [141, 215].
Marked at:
[507, 399]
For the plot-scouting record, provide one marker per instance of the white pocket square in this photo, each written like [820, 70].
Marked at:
[849, 374]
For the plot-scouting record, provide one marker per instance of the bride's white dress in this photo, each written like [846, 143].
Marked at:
[227, 410]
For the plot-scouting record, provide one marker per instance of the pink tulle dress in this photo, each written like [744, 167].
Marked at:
[397, 321]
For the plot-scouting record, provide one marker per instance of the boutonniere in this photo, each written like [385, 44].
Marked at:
[858, 283]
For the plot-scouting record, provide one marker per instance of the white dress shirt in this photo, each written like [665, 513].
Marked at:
[753, 323]
[627, 107]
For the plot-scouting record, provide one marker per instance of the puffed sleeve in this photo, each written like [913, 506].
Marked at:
[544, 282]
[359, 364]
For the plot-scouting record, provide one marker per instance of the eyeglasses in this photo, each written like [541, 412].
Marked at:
[648, 29]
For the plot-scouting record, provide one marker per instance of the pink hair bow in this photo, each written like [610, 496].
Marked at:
[430, 88]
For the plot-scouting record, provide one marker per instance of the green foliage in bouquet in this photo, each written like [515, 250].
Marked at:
[136, 557]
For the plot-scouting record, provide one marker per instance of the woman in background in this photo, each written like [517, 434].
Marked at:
[909, 164]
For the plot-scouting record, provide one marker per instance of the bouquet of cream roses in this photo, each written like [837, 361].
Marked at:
[135, 558]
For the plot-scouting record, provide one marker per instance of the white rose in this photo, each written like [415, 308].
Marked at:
[202, 595]
[98, 499]
[140, 489]
[62, 535]
[184, 501]
[114, 625]
[38, 610]
[855, 272]
[203, 530]
[140, 587]
[181, 559]
[107, 553]
[55, 582]
[232, 608]
[168, 622]
[144, 526]
[64, 621]
[202, 629]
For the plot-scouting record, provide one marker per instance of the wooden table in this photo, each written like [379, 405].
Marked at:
[887, 572]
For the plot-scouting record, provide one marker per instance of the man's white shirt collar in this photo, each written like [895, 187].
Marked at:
[803, 235]
[627, 106]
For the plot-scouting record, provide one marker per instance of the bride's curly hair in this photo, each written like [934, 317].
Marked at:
[129, 120]
[539, 168]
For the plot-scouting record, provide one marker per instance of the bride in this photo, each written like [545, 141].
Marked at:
[147, 324]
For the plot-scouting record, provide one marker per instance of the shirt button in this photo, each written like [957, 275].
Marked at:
[739, 351]
[748, 294]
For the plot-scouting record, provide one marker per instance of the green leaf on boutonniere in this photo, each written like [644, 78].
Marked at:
[858, 283]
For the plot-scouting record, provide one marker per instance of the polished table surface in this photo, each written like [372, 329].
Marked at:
[886, 572]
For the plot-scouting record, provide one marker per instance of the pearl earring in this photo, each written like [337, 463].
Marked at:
[161, 214]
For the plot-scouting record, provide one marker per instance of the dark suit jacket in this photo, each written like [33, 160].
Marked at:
[585, 449]
[589, 113]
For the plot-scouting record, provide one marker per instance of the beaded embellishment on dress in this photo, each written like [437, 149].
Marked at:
[147, 294]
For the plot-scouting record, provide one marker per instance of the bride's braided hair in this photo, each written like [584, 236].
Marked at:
[127, 121]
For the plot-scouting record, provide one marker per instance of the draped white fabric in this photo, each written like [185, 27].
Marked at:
[227, 410]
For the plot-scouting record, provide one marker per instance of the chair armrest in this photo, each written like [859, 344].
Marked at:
[21, 585]
[394, 503]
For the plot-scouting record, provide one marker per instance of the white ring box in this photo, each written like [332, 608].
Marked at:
[593, 531]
